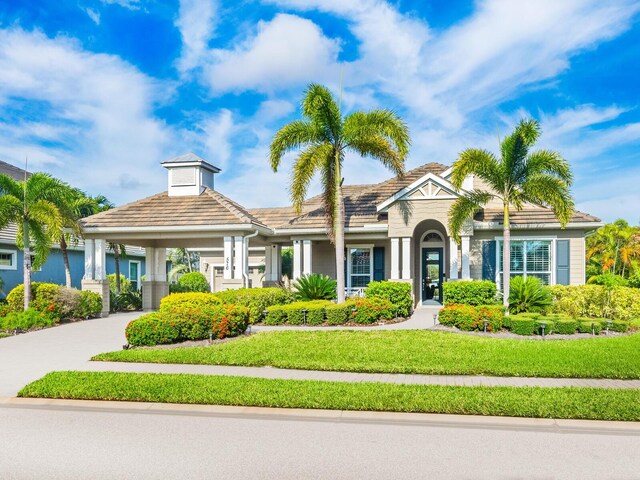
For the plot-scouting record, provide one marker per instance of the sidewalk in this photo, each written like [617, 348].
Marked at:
[278, 373]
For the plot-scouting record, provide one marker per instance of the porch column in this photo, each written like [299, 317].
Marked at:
[89, 259]
[466, 272]
[306, 257]
[395, 258]
[453, 259]
[95, 273]
[155, 287]
[238, 257]
[297, 259]
[228, 258]
[406, 258]
[276, 263]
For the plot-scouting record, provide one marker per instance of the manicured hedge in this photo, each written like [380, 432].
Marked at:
[298, 313]
[471, 317]
[549, 325]
[339, 313]
[597, 301]
[190, 299]
[398, 293]
[191, 282]
[371, 310]
[522, 325]
[469, 292]
[257, 300]
[180, 323]
[566, 326]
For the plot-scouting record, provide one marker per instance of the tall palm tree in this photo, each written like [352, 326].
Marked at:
[32, 205]
[518, 177]
[324, 136]
[614, 248]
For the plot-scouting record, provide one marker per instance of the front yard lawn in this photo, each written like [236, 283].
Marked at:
[417, 351]
[582, 403]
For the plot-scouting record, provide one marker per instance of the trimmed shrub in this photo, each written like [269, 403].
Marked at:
[609, 280]
[589, 327]
[549, 325]
[340, 313]
[276, 315]
[398, 293]
[25, 320]
[189, 300]
[371, 310]
[194, 282]
[566, 326]
[90, 305]
[43, 297]
[181, 323]
[472, 317]
[529, 295]
[522, 325]
[314, 312]
[257, 299]
[469, 292]
[56, 302]
[315, 286]
[597, 301]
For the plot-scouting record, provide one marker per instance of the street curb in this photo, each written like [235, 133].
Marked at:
[342, 416]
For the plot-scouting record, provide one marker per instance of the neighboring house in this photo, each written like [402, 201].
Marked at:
[53, 270]
[395, 230]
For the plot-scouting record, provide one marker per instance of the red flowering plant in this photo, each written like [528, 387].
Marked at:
[469, 317]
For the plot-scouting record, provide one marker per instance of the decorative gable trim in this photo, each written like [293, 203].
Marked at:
[429, 187]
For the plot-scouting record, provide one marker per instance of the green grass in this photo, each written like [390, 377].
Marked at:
[2, 335]
[415, 351]
[583, 403]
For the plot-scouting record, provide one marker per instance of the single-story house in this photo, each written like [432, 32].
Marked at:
[395, 230]
[11, 257]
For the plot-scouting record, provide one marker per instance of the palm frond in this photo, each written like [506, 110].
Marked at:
[41, 243]
[306, 165]
[549, 162]
[378, 123]
[478, 162]
[11, 210]
[379, 148]
[319, 106]
[46, 213]
[9, 186]
[290, 137]
[464, 208]
[549, 190]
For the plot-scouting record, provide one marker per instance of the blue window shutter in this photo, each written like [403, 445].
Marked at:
[562, 262]
[378, 263]
[489, 260]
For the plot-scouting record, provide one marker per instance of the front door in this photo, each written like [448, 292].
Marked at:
[432, 274]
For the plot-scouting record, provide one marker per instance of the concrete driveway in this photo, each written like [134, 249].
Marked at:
[27, 357]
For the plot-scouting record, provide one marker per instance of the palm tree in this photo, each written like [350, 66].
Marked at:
[614, 248]
[32, 205]
[518, 177]
[324, 136]
[182, 261]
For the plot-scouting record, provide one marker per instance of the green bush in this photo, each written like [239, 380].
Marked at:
[618, 326]
[314, 312]
[339, 313]
[469, 292]
[371, 310]
[566, 326]
[588, 327]
[315, 286]
[597, 301]
[529, 295]
[634, 280]
[43, 297]
[522, 325]
[25, 320]
[179, 323]
[398, 293]
[549, 325]
[609, 280]
[126, 301]
[189, 300]
[90, 305]
[194, 282]
[55, 301]
[125, 284]
[275, 315]
[472, 317]
[257, 299]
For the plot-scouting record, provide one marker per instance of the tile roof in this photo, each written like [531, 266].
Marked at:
[531, 216]
[208, 208]
[11, 170]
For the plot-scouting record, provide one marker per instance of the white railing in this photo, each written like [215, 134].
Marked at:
[354, 292]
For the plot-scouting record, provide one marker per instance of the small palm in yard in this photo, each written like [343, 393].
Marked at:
[529, 295]
[315, 287]
[325, 136]
[518, 177]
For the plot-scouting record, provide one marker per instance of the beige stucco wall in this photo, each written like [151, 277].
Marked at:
[323, 255]
[403, 221]
[576, 249]
[211, 264]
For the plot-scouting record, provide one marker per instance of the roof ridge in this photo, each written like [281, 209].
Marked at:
[105, 213]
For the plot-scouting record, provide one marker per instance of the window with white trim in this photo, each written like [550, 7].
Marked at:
[529, 258]
[359, 266]
[8, 260]
[134, 274]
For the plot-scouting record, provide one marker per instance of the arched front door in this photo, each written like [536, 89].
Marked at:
[432, 267]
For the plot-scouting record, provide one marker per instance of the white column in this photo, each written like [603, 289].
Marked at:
[453, 259]
[306, 257]
[150, 264]
[406, 258]
[466, 272]
[160, 265]
[395, 258]
[89, 259]
[297, 259]
[238, 257]
[276, 262]
[228, 258]
[100, 259]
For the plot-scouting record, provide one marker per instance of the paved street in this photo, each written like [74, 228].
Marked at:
[69, 443]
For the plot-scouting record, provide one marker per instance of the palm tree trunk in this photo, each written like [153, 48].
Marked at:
[506, 256]
[116, 258]
[65, 260]
[339, 231]
[26, 264]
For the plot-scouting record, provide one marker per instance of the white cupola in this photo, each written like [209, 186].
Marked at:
[189, 174]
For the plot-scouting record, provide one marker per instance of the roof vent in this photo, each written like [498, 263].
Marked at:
[189, 174]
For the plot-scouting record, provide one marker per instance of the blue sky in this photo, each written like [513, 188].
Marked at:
[99, 92]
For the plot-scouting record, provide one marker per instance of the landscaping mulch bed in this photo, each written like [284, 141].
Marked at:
[508, 334]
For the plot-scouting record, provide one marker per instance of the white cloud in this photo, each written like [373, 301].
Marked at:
[130, 4]
[93, 15]
[196, 22]
[284, 52]
[94, 124]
